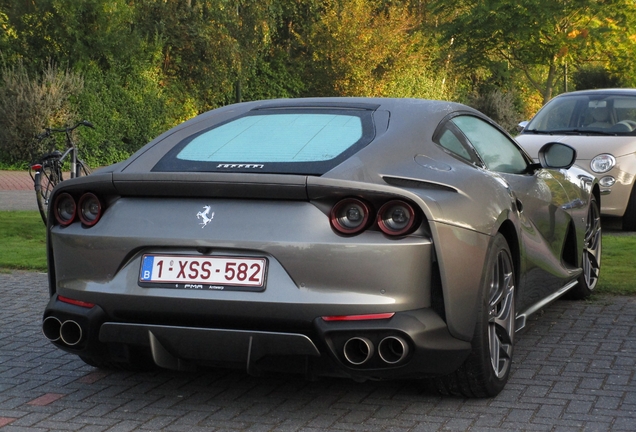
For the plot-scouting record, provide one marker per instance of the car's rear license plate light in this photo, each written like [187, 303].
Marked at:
[198, 272]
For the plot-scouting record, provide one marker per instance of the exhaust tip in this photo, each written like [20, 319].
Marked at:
[393, 349]
[70, 332]
[51, 328]
[358, 350]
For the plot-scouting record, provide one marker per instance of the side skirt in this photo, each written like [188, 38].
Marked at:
[520, 321]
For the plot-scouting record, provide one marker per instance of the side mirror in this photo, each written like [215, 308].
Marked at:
[522, 125]
[554, 155]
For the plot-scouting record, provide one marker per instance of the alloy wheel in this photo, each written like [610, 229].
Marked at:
[592, 248]
[501, 314]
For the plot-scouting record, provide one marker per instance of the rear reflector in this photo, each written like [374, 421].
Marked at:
[359, 317]
[75, 302]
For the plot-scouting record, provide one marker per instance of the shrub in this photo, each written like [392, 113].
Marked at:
[128, 110]
[594, 77]
[28, 104]
[498, 105]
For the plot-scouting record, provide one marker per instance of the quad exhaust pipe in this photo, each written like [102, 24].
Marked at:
[393, 349]
[69, 331]
[359, 350]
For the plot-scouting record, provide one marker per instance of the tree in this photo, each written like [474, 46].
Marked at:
[28, 104]
[209, 46]
[7, 32]
[617, 54]
[73, 33]
[369, 48]
[536, 37]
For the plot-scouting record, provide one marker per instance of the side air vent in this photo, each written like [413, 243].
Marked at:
[570, 251]
[416, 184]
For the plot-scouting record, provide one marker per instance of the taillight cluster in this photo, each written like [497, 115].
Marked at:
[88, 209]
[351, 216]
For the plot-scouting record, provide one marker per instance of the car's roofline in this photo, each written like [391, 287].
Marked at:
[608, 91]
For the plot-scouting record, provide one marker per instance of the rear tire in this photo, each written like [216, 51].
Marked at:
[486, 370]
[81, 169]
[629, 218]
[591, 257]
[45, 181]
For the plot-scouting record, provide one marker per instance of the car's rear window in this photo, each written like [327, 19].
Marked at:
[299, 141]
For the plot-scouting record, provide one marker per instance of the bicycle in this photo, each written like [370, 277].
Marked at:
[47, 171]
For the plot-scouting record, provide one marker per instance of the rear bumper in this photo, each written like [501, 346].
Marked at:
[411, 344]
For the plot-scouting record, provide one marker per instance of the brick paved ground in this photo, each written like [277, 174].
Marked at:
[16, 191]
[18, 180]
[15, 180]
[574, 370]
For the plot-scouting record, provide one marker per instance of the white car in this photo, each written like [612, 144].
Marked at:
[601, 126]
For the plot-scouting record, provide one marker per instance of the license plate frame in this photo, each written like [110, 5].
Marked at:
[203, 273]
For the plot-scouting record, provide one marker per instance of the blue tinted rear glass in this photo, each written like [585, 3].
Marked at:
[297, 137]
[286, 140]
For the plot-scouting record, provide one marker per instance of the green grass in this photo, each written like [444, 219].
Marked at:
[618, 265]
[22, 246]
[22, 240]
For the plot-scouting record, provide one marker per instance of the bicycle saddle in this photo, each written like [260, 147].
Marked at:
[53, 154]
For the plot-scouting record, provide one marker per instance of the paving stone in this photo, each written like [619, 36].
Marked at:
[574, 369]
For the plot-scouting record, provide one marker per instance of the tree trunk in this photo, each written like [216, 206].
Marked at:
[549, 84]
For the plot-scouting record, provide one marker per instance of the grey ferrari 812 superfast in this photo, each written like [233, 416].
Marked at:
[354, 237]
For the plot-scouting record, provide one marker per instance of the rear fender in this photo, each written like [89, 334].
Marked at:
[461, 254]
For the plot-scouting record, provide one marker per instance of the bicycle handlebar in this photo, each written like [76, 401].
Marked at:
[47, 131]
[44, 134]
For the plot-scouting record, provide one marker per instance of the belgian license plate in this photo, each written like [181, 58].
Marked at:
[197, 272]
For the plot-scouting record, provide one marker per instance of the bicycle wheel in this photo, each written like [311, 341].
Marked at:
[45, 181]
[81, 169]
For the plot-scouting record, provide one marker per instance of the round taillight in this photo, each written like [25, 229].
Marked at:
[90, 209]
[396, 218]
[350, 216]
[64, 209]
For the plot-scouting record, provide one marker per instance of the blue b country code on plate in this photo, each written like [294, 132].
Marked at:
[146, 268]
